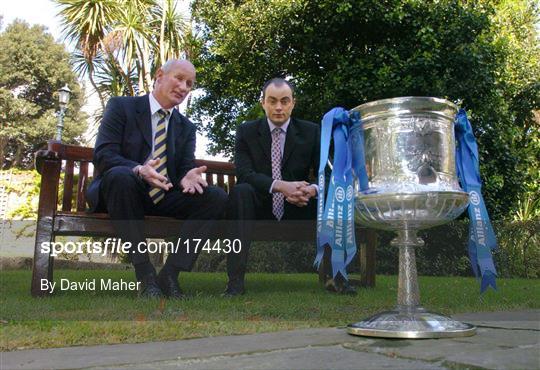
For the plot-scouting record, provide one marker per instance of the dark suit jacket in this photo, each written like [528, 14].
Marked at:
[252, 153]
[125, 139]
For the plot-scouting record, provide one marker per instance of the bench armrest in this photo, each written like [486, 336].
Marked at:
[41, 156]
[71, 152]
[59, 151]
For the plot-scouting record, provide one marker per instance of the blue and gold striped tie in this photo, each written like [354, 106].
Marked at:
[160, 151]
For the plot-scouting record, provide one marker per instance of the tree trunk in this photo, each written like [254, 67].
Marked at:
[162, 47]
[3, 145]
[123, 74]
[93, 83]
[17, 157]
[147, 67]
[188, 104]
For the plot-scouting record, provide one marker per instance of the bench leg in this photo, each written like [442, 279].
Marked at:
[367, 258]
[367, 241]
[157, 257]
[42, 268]
[325, 266]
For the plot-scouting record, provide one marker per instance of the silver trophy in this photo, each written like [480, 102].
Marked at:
[409, 150]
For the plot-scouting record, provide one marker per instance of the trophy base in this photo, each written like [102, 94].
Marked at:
[411, 324]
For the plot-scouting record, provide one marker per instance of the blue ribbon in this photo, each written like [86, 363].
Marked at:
[481, 235]
[335, 211]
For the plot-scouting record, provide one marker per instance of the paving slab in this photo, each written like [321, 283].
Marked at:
[512, 345]
[523, 357]
[117, 354]
[527, 319]
[499, 348]
[311, 358]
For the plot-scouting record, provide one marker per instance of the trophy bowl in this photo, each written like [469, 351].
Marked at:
[409, 148]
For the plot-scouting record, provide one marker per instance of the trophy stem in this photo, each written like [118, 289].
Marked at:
[409, 319]
[408, 298]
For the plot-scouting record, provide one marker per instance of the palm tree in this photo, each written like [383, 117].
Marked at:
[121, 43]
[171, 35]
[87, 23]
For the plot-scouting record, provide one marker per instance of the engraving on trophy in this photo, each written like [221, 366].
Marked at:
[420, 143]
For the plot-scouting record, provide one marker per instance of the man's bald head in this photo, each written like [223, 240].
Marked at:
[169, 65]
[174, 81]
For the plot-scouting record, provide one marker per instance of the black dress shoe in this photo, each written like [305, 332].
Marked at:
[340, 286]
[169, 285]
[234, 289]
[149, 287]
[347, 288]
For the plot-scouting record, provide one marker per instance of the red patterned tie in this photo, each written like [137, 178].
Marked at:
[278, 199]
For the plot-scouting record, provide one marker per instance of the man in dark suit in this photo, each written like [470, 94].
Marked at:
[273, 158]
[144, 165]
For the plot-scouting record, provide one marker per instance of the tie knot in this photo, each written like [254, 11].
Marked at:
[163, 113]
[276, 131]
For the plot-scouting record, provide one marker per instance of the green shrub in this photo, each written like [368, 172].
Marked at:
[445, 250]
[519, 249]
[444, 253]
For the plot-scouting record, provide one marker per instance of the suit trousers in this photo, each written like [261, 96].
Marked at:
[127, 201]
[244, 207]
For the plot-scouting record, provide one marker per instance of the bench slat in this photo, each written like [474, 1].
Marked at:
[232, 181]
[79, 224]
[99, 224]
[81, 186]
[221, 181]
[68, 186]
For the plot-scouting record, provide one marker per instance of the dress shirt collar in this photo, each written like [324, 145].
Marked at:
[284, 127]
[155, 106]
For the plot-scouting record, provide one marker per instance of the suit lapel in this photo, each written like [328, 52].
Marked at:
[290, 142]
[144, 119]
[264, 137]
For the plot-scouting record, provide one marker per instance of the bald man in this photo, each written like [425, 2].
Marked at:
[144, 165]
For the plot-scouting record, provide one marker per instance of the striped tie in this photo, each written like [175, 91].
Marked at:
[160, 151]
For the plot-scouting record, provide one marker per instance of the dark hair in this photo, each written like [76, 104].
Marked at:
[278, 81]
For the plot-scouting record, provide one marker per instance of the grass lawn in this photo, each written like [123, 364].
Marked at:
[273, 302]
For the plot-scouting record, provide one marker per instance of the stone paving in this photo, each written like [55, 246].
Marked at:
[504, 340]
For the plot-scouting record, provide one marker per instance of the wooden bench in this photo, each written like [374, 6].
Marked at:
[58, 215]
